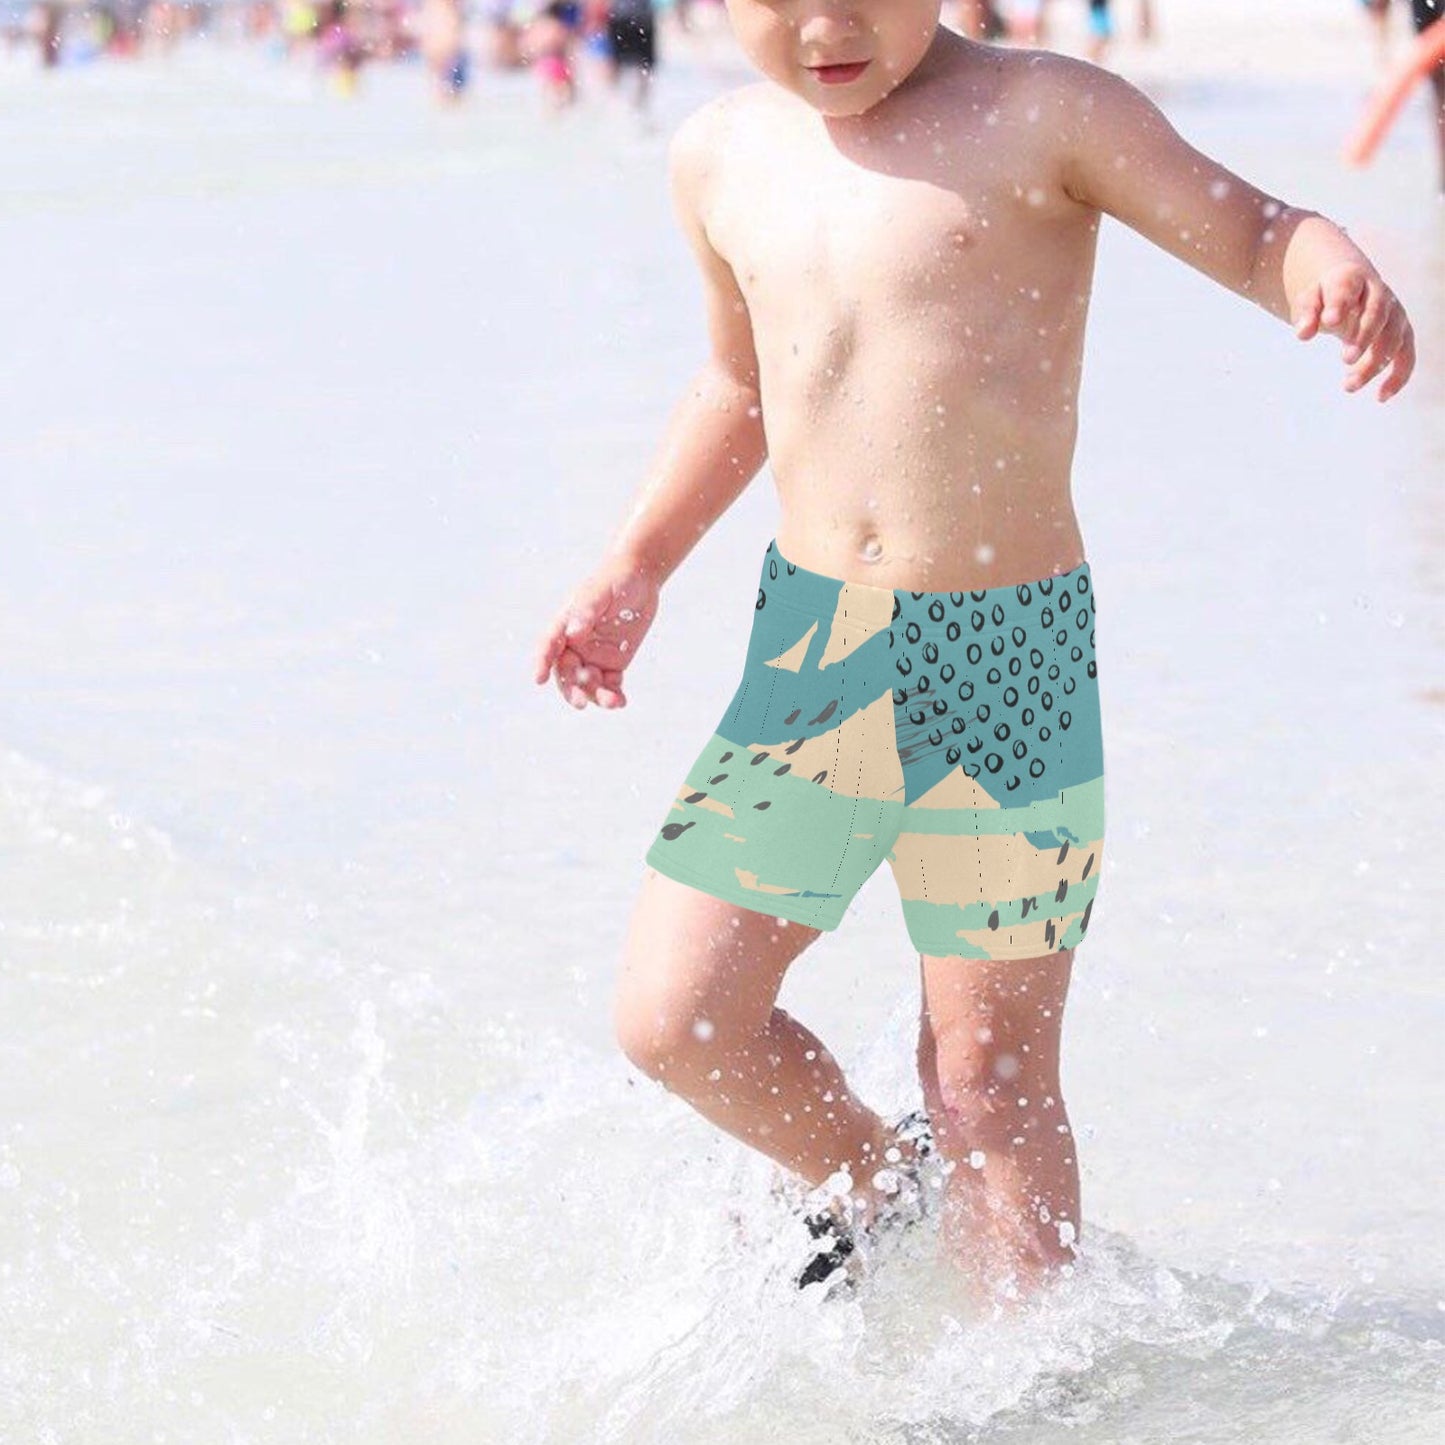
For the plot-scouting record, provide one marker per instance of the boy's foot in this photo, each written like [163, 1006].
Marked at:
[840, 1244]
[835, 1242]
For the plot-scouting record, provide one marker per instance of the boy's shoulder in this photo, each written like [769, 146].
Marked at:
[705, 136]
[709, 123]
[1033, 75]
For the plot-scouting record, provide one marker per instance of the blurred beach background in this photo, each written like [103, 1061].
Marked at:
[315, 401]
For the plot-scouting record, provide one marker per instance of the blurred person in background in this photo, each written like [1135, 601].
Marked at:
[504, 36]
[597, 41]
[1026, 21]
[547, 45]
[45, 22]
[338, 47]
[978, 19]
[298, 25]
[632, 40]
[440, 27]
[162, 26]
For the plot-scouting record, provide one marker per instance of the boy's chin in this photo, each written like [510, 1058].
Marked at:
[841, 110]
[838, 107]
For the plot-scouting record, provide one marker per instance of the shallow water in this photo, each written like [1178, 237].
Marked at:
[311, 1122]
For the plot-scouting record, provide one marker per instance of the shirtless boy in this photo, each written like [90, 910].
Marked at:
[897, 229]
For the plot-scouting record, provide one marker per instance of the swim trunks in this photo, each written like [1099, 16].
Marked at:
[956, 734]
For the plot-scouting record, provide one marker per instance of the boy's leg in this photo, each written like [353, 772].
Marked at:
[695, 1010]
[988, 1059]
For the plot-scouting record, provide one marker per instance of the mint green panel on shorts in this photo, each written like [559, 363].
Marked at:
[956, 735]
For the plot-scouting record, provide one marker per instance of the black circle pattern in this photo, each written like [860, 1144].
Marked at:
[1040, 629]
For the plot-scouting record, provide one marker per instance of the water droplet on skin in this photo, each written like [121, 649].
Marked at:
[1270, 209]
[623, 644]
[976, 1159]
[703, 1029]
[1036, 196]
[983, 553]
[627, 614]
[872, 504]
[1219, 190]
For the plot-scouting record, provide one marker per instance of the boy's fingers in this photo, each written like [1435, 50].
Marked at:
[546, 655]
[1342, 297]
[567, 683]
[1374, 358]
[1372, 320]
[1401, 366]
[1307, 321]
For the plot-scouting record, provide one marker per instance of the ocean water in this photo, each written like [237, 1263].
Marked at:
[312, 1126]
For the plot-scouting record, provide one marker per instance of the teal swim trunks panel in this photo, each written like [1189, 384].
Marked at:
[955, 734]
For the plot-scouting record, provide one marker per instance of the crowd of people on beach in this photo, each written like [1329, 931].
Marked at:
[341, 37]
[554, 39]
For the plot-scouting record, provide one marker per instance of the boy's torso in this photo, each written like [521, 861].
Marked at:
[917, 282]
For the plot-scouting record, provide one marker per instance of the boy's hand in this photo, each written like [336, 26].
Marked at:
[597, 634]
[1351, 301]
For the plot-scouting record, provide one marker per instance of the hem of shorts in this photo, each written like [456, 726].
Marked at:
[1010, 957]
[743, 897]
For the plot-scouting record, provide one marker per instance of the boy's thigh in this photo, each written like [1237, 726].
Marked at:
[690, 957]
[999, 848]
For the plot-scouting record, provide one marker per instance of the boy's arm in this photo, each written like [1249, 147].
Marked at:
[714, 443]
[712, 448]
[1122, 156]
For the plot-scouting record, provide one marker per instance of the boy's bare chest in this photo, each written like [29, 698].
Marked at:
[857, 240]
[812, 233]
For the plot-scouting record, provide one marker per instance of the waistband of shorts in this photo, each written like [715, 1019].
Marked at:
[984, 609]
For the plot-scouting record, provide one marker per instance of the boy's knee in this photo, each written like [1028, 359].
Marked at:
[667, 1044]
[990, 1089]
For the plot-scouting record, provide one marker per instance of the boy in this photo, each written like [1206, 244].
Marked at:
[896, 229]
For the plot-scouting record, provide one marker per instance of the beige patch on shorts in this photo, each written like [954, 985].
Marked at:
[713, 805]
[956, 790]
[858, 758]
[861, 612]
[754, 884]
[792, 659]
[963, 869]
